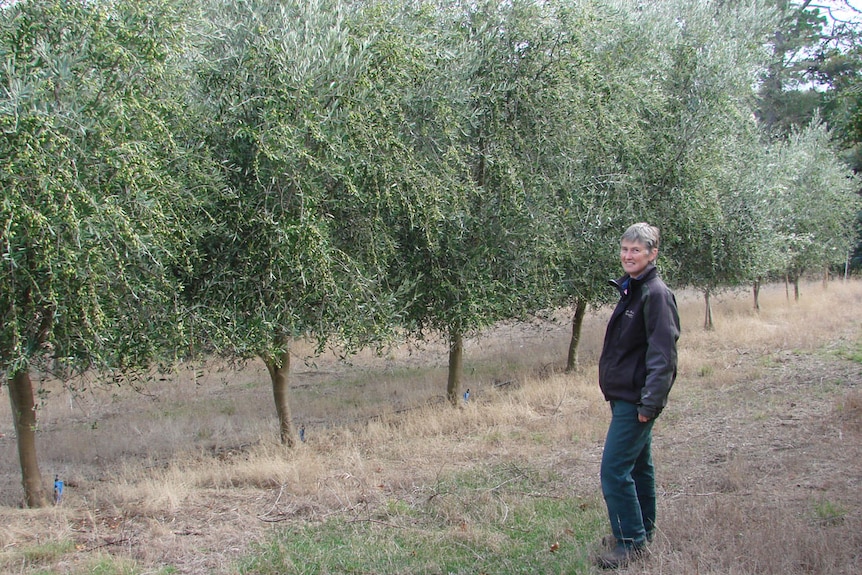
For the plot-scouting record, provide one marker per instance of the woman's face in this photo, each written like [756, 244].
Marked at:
[635, 257]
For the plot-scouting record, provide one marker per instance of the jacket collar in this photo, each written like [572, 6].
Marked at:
[624, 284]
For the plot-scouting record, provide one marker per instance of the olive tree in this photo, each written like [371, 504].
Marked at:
[93, 207]
[600, 141]
[817, 203]
[484, 256]
[297, 95]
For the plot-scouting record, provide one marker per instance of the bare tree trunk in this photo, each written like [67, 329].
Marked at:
[787, 286]
[24, 416]
[279, 369]
[796, 288]
[456, 358]
[577, 324]
[707, 320]
[757, 294]
[825, 277]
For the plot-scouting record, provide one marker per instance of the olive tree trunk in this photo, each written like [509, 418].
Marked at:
[707, 317]
[456, 358]
[279, 369]
[577, 325]
[756, 289]
[24, 416]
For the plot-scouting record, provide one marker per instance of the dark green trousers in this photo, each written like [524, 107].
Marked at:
[628, 475]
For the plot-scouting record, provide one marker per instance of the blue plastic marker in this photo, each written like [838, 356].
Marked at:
[58, 490]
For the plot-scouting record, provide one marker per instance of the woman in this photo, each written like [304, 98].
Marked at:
[637, 369]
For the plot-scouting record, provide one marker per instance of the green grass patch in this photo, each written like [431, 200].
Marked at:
[40, 554]
[42, 560]
[489, 520]
[828, 512]
[852, 351]
[110, 565]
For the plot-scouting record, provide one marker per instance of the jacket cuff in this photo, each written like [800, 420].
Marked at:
[649, 412]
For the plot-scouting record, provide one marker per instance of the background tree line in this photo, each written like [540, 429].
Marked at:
[221, 177]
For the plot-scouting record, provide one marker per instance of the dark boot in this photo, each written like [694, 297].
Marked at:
[620, 556]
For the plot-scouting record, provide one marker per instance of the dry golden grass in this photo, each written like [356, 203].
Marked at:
[759, 447]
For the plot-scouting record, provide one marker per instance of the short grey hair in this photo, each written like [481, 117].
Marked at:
[642, 233]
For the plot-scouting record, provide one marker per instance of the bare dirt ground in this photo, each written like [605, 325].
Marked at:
[759, 455]
[778, 458]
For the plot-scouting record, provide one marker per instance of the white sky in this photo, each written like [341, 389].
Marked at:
[847, 10]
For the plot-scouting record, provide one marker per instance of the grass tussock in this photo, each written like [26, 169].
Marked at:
[758, 454]
[848, 411]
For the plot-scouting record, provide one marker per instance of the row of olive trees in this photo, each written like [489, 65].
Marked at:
[225, 176]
